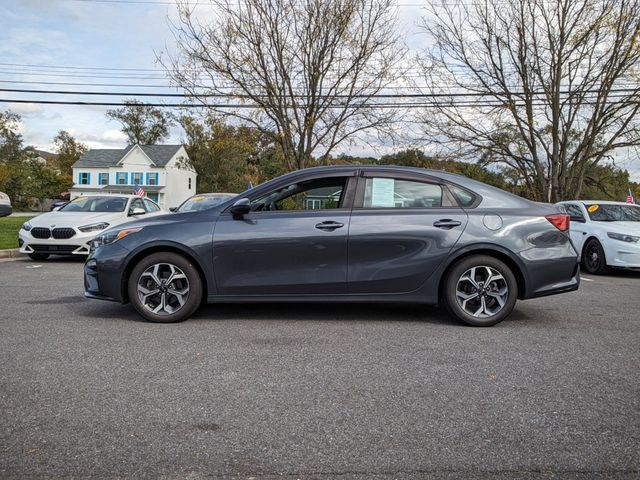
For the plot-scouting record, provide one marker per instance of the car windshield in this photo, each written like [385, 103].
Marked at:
[96, 204]
[613, 213]
[203, 202]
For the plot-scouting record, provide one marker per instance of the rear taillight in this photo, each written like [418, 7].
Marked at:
[559, 220]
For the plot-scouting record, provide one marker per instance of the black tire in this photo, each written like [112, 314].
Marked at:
[141, 277]
[593, 258]
[38, 256]
[478, 311]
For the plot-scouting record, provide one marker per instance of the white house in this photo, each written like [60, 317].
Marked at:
[160, 170]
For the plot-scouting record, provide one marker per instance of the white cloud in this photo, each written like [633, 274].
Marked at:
[26, 109]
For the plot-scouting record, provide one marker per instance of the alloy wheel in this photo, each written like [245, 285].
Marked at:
[482, 291]
[163, 288]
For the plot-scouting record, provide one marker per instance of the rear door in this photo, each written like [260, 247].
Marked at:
[401, 230]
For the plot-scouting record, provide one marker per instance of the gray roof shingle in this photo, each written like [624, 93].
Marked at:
[109, 157]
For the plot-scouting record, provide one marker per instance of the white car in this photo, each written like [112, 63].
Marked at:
[69, 230]
[607, 234]
[5, 205]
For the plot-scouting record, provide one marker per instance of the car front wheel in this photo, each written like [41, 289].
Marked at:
[165, 288]
[480, 290]
[593, 259]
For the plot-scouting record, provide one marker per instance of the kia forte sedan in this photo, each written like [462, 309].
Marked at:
[342, 234]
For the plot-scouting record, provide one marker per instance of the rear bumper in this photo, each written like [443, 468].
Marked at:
[550, 271]
[5, 210]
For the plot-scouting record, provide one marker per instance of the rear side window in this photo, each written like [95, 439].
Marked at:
[394, 193]
[464, 197]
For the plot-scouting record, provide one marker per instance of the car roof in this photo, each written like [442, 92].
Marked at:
[213, 194]
[600, 202]
[108, 195]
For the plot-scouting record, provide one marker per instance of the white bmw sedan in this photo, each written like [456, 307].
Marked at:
[606, 233]
[69, 230]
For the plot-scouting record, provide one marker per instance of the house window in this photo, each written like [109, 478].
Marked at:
[153, 178]
[153, 196]
[137, 178]
[121, 178]
[189, 183]
[84, 178]
[103, 178]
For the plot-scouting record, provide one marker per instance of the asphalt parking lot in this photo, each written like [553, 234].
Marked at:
[87, 389]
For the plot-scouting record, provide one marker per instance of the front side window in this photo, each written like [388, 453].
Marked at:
[137, 203]
[394, 193]
[317, 194]
[150, 206]
[575, 213]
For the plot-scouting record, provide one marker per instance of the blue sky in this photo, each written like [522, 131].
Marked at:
[92, 34]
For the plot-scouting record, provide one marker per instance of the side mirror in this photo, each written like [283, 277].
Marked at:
[240, 208]
[137, 211]
[173, 209]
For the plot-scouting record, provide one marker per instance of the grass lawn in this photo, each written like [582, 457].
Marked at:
[9, 227]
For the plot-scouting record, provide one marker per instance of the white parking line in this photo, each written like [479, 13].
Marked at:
[582, 277]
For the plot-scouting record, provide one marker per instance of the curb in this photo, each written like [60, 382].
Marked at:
[10, 253]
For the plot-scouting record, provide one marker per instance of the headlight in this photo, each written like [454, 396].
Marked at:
[111, 237]
[94, 227]
[26, 226]
[623, 237]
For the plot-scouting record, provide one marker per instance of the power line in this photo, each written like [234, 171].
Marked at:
[614, 91]
[254, 106]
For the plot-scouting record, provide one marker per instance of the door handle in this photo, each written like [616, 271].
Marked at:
[329, 225]
[447, 223]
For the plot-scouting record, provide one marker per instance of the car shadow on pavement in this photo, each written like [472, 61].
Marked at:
[325, 312]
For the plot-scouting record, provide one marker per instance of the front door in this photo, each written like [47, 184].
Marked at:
[401, 230]
[293, 242]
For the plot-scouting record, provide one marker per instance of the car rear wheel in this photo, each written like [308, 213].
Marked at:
[480, 290]
[165, 288]
[38, 256]
[593, 259]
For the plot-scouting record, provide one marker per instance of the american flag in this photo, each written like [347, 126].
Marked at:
[630, 198]
[139, 191]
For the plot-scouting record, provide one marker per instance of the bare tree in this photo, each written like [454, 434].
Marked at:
[547, 88]
[303, 72]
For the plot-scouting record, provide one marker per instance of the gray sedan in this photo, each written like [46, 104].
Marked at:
[343, 234]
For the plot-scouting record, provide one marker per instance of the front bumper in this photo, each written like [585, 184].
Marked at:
[622, 254]
[104, 273]
[78, 244]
